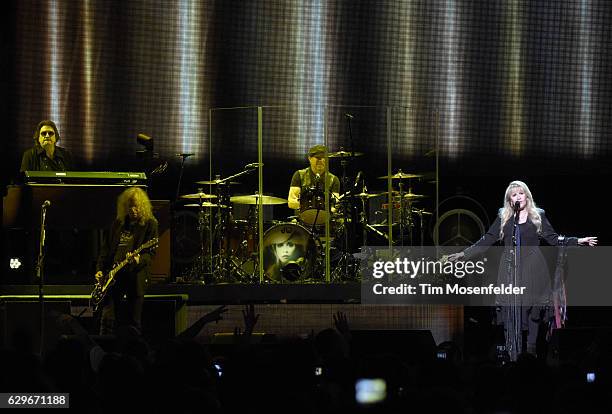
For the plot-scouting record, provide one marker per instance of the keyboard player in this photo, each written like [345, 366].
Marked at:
[45, 155]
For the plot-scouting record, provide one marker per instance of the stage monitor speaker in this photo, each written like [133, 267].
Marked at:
[408, 345]
[20, 324]
[163, 318]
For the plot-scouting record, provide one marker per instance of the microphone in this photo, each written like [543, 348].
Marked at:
[349, 116]
[517, 206]
[317, 180]
[185, 154]
[359, 174]
[254, 165]
[46, 204]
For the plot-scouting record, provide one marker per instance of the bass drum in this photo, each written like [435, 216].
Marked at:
[290, 254]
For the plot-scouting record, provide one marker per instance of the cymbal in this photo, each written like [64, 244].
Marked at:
[254, 199]
[215, 182]
[368, 195]
[359, 195]
[198, 195]
[412, 196]
[400, 175]
[206, 204]
[344, 154]
[396, 193]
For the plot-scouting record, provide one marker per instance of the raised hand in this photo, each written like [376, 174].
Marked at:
[215, 315]
[250, 319]
[342, 325]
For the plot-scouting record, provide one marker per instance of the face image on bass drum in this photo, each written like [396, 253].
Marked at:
[312, 206]
[289, 252]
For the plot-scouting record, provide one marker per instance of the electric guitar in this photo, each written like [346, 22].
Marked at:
[104, 284]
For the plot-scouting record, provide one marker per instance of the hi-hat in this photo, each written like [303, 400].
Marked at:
[215, 182]
[401, 175]
[344, 154]
[198, 195]
[254, 199]
[206, 204]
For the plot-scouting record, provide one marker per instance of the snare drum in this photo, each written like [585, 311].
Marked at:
[289, 252]
[312, 206]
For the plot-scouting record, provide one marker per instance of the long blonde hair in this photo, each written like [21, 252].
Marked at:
[507, 211]
[140, 199]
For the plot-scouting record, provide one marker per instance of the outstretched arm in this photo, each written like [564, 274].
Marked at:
[552, 237]
[486, 241]
[215, 315]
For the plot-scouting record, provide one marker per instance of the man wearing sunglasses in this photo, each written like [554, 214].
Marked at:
[46, 155]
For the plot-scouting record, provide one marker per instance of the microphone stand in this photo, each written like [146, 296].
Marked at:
[514, 317]
[173, 205]
[178, 185]
[40, 274]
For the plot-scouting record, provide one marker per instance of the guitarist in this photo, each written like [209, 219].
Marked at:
[133, 226]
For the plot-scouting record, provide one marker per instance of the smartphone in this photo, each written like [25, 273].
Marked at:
[441, 354]
[318, 371]
[590, 377]
[370, 390]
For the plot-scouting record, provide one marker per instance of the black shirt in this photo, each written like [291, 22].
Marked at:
[306, 178]
[35, 159]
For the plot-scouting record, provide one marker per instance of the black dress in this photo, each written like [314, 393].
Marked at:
[516, 312]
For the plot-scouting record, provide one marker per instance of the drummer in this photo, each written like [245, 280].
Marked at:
[312, 177]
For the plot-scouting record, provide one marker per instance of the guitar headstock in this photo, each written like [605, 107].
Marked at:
[151, 244]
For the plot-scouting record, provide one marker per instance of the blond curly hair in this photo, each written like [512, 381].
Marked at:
[137, 197]
[507, 211]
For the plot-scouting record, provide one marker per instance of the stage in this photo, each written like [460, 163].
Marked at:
[286, 309]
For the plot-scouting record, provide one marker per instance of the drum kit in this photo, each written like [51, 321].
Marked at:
[294, 249]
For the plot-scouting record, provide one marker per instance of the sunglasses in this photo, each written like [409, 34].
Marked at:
[47, 133]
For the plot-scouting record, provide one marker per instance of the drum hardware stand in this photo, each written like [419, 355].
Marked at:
[204, 221]
[346, 269]
[224, 261]
[421, 212]
[348, 227]
[405, 212]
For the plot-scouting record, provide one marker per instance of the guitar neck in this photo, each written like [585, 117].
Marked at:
[124, 262]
